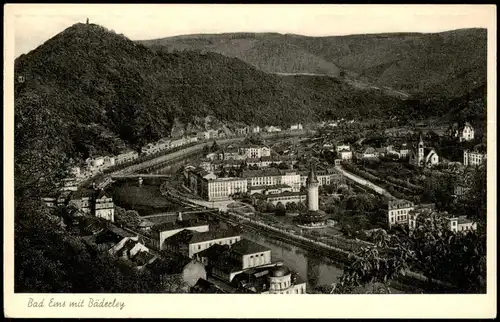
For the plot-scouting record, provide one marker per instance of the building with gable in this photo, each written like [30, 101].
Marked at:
[423, 156]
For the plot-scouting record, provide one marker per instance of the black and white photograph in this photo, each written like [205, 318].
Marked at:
[309, 150]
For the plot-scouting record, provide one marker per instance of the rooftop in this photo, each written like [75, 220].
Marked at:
[171, 225]
[191, 237]
[245, 247]
[276, 186]
[261, 173]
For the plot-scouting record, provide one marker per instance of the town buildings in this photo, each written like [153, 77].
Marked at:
[473, 158]
[296, 127]
[247, 267]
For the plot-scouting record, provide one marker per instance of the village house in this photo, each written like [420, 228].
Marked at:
[242, 130]
[255, 129]
[345, 155]
[465, 133]
[272, 129]
[473, 158]
[369, 153]
[461, 224]
[296, 127]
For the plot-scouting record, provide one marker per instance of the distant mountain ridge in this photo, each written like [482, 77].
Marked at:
[448, 63]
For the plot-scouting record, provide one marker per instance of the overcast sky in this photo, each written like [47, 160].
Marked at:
[34, 24]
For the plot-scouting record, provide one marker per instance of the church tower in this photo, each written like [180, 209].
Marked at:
[420, 157]
[312, 191]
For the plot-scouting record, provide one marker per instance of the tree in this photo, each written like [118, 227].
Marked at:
[291, 206]
[280, 209]
[128, 218]
[438, 253]
[283, 166]
[270, 207]
[301, 206]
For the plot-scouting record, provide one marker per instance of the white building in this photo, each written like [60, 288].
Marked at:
[461, 224]
[191, 242]
[104, 207]
[272, 177]
[346, 155]
[256, 129]
[343, 147]
[398, 212]
[466, 133]
[253, 151]
[272, 128]
[296, 127]
[473, 158]
[159, 233]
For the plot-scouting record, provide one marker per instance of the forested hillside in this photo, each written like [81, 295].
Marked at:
[107, 91]
[449, 62]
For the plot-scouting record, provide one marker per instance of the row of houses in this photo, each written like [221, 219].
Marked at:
[93, 201]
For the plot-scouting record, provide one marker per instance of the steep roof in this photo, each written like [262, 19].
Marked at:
[311, 178]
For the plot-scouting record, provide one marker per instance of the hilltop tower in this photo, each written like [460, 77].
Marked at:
[312, 191]
[87, 21]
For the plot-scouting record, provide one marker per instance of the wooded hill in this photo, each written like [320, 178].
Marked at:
[450, 63]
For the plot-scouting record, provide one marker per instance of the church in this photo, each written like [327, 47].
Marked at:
[423, 156]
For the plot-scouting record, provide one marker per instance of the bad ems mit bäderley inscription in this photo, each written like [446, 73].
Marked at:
[90, 302]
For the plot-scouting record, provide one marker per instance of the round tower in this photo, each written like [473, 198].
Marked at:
[312, 185]
[140, 181]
